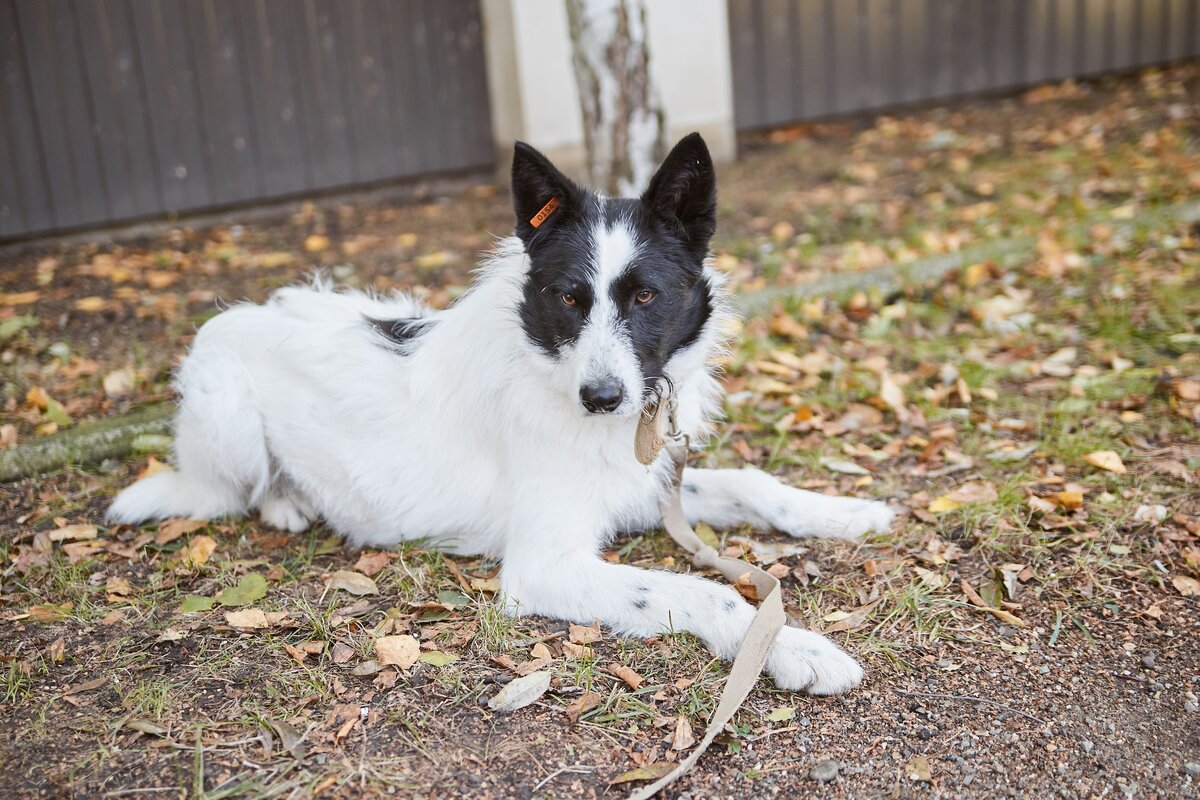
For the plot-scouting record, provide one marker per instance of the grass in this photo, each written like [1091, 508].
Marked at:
[1131, 294]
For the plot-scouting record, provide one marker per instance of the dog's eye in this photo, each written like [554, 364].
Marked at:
[569, 299]
[644, 296]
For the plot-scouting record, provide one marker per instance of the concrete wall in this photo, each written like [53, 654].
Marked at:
[532, 82]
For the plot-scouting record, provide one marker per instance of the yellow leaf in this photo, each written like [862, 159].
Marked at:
[200, 549]
[89, 304]
[944, 503]
[1069, 499]
[18, 298]
[316, 243]
[1106, 459]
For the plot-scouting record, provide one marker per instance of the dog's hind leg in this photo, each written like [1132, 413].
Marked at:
[221, 461]
[725, 498]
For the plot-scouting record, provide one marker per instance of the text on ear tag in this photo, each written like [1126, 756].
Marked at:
[546, 211]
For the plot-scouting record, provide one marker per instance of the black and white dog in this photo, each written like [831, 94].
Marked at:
[504, 425]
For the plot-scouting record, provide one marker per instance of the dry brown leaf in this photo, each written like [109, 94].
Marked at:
[371, 564]
[353, 582]
[172, 529]
[400, 651]
[581, 705]
[682, 737]
[249, 618]
[1107, 460]
[1186, 586]
[626, 674]
[541, 652]
[73, 533]
[746, 588]
[579, 634]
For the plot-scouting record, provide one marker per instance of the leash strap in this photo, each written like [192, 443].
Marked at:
[767, 622]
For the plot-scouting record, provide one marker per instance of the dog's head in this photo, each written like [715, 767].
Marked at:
[615, 287]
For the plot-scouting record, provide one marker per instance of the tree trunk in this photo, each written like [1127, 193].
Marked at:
[623, 122]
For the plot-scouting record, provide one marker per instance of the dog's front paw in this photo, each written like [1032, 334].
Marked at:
[805, 661]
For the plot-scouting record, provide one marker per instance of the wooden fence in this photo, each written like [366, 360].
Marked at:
[121, 109]
[803, 59]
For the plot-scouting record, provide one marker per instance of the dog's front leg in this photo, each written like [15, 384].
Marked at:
[725, 498]
[582, 587]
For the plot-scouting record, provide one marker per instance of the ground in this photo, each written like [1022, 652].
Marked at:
[1030, 626]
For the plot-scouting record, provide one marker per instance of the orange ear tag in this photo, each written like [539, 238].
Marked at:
[546, 211]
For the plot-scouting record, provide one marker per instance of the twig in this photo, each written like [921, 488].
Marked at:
[580, 769]
[969, 699]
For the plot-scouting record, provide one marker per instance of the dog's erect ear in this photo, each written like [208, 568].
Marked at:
[543, 198]
[683, 194]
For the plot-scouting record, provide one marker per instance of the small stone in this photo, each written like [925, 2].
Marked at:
[1149, 659]
[1043, 670]
[1087, 745]
[824, 771]
[1192, 768]
[1191, 706]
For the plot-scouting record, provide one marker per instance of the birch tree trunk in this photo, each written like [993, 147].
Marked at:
[623, 121]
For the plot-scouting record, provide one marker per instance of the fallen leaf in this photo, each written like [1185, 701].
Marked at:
[401, 651]
[1107, 460]
[199, 550]
[843, 466]
[943, 504]
[371, 564]
[173, 528]
[249, 589]
[1186, 586]
[194, 603]
[917, 769]
[682, 738]
[72, 533]
[89, 304]
[581, 705]
[647, 772]
[120, 383]
[437, 658]
[782, 714]
[171, 635]
[746, 587]
[540, 651]
[631, 678]
[579, 634]
[1070, 500]
[520, 692]
[316, 243]
[353, 582]
[250, 618]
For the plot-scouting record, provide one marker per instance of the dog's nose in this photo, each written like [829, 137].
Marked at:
[601, 398]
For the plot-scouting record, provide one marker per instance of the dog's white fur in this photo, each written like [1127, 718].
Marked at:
[473, 438]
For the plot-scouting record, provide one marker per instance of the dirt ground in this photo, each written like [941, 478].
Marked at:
[1030, 627]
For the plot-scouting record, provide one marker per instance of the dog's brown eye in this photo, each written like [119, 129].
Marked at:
[644, 296]
[569, 298]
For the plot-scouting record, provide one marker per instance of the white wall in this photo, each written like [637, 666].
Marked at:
[532, 83]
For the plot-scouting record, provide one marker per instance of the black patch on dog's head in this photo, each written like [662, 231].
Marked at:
[672, 222]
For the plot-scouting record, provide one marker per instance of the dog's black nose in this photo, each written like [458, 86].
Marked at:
[601, 398]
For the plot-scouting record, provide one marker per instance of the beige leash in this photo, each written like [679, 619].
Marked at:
[767, 622]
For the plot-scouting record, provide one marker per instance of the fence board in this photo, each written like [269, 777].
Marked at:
[120, 109]
[812, 58]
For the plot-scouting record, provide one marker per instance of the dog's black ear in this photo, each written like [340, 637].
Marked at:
[683, 194]
[543, 198]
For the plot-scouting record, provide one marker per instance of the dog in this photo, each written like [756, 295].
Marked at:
[504, 424]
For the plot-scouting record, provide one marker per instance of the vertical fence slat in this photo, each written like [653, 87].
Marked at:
[27, 189]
